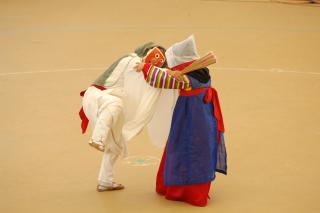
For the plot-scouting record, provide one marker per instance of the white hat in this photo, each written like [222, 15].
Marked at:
[182, 52]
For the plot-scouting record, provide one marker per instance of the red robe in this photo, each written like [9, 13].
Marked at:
[196, 194]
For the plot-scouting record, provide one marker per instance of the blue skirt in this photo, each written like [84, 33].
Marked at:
[193, 154]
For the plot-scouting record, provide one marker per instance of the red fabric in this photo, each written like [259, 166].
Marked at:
[145, 70]
[212, 95]
[84, 120]
[180, 67]
[83, 117]
[196, 194]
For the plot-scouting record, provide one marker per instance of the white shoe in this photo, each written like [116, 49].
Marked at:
[97, 145]
[112, 187]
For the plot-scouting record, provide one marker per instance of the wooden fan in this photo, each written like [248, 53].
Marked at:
[202, 62]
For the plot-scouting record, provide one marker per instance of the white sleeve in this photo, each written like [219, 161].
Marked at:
[144, 104]
[118, 72]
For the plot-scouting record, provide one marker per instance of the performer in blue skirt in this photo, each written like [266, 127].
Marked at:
[195, 148]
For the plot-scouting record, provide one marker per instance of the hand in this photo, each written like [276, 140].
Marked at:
[139, 67]
[177, 75]
[170, 72]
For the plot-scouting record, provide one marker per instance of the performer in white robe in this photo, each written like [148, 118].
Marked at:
[118, 105]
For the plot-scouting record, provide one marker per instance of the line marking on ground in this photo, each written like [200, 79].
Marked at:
[52, 71]
[232, 69]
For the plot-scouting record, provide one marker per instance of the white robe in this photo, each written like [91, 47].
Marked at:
[126, 106]
[120, 112]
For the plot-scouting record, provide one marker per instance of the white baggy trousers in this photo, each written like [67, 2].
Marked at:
[104, 109]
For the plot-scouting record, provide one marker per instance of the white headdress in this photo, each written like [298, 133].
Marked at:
[182, 52]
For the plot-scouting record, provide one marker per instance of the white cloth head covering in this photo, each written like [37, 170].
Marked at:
[182, 52]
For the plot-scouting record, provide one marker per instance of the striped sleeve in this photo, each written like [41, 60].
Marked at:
[159, 78]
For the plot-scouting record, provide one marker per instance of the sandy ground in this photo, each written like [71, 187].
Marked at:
[268, 78]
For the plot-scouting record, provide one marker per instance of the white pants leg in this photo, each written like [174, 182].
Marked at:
[113, 149]
[102, 110]
[105, 114]
[108, 115]
[106, 173]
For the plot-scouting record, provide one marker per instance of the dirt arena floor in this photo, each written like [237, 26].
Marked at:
[268, 77]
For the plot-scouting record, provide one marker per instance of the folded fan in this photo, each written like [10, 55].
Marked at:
[200, 63]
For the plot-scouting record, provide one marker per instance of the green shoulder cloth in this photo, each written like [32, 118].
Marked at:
[140, 51]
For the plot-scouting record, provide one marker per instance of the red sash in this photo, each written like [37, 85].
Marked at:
[83, 117]
[211, 95]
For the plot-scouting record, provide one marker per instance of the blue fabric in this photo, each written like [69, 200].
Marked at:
[221, 157]
[192, 149]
